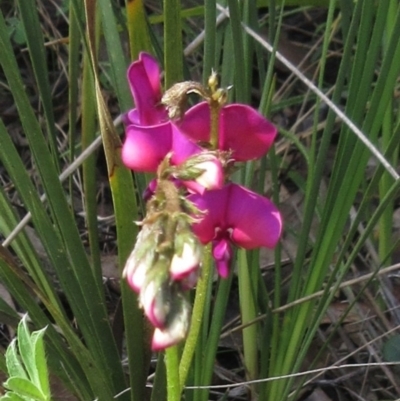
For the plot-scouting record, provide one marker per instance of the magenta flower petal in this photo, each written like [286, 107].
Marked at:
[213, 204]
[144, 81]
[182, 149]
[196, 122]
[245, 131]
[222, 253]
[248, 219]
[149, 191]
[254, 219]
[145, 147]
[241, 129]
[182, 146]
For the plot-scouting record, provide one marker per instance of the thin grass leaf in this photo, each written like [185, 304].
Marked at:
[115, 53]
[25, 251]
[74, 49]
[173, 50]
[89, 128]
[37, 52]
[241, 89]
[139, 37]
[210, 350]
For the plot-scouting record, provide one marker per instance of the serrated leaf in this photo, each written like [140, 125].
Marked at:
[40, 361]
[12, 397]
[25, 347]
[14, 364]
[24, 388]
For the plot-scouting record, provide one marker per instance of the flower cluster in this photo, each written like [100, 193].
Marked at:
[189, 204]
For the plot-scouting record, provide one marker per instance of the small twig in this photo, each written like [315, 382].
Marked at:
[317, 294]
[269, 379]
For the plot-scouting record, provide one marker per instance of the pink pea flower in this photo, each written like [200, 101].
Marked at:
[241, 129]
[235, 215]
[144, 81]
[150, 136]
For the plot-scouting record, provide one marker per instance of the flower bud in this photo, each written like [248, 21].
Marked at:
[176, 327]
[155, 294]
[212, 176]
[213, 81]
[201, 172]
[141, 258]
[187, 257]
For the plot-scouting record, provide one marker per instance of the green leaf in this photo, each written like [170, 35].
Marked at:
[24, 388]
[13, 361]
[40, 361]
[26, 350]
[16, 30]
[31, 347]
[12, 397]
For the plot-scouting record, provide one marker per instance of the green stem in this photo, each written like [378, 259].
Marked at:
[210, 349]
[248, 312]
[171, 364]
[214, 112]
[197, 318]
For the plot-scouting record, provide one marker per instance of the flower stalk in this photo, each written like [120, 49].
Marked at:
[172, 367]
[197, 318]
[190, 203]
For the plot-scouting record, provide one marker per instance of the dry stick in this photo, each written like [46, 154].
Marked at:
[63, 176]
[199, 39]
[319, 371]
[336, 364]
[318, 294]
[321, 95]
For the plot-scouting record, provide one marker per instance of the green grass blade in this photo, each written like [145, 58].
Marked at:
[139, 36]
[34, 36]
[173, 50]
[116, 55]
[126, 213]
